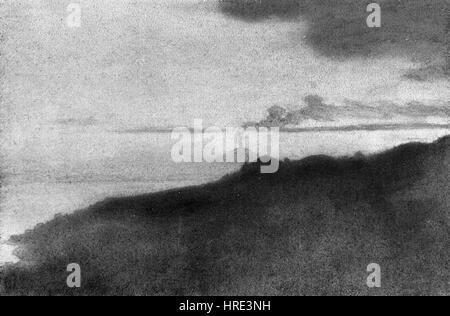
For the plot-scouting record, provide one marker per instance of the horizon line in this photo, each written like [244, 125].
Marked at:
[345, 128]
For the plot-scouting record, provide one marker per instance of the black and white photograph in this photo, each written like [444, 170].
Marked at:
[224, 148]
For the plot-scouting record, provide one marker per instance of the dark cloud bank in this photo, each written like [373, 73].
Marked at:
[416, 28]
[312, 228]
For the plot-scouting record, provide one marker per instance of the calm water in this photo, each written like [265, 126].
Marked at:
[66, 171]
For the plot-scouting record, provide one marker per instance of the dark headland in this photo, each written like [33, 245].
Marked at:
[310, 229]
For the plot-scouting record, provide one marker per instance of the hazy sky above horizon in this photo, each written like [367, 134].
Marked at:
[136, 63]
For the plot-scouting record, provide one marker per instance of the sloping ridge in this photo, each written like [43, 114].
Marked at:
[312, 228]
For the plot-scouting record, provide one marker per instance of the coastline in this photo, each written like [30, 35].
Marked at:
[65, 195]
[244, 227]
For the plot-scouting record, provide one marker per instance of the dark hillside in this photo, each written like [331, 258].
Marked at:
[312, 228]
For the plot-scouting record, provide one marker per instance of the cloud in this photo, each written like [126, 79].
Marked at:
[89, 121]
[427, 73]
[258, 10]
[414, 28]
[315, 109]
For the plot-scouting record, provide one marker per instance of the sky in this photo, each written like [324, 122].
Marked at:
[136, 64]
